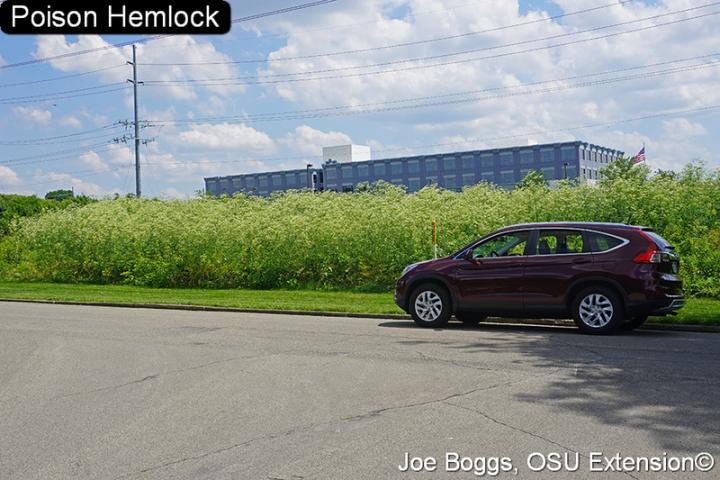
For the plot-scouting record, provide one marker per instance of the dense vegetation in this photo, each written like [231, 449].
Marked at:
[331, 240]
[14, 207]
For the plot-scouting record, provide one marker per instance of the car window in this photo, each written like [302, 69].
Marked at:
[659, 240]
[560, 242]
[600, 242]
[508, 245]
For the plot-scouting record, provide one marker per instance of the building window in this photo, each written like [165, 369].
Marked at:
[431, 165]
[450, 182]
[527, 157]
[363, 171]
[277, 180]
[507, 177]
[379, 169]
[414, 184]
[291, 179]
[569, 154]
[506, 159]
[347, 187]
[468, 179]
[571, 171]
[331, 173]
[488, 177]
[468, 162]
[414, 167]
[549, 173]
[396, 168]
[237, 184]
[487, 161]
[432, 181]
[347, 172]
[448, 163]
[263, 181]
[547, 155]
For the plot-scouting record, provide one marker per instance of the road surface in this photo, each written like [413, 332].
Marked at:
[109, 393]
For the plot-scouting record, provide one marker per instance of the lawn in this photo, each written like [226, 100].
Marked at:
[698, 311]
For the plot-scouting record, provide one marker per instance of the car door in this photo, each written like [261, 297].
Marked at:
[557, 257]
[489, 277]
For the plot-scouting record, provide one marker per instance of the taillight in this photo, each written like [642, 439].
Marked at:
[651, 255]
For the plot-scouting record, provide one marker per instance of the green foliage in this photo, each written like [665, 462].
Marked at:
[534, 179]
[59, 195]
[332, 240]
[14, 207]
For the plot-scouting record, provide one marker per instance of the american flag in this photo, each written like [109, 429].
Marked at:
[640, 157]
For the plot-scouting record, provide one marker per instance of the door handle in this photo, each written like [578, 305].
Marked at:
[581, 260]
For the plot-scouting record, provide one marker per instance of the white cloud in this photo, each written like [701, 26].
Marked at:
[174, 49]
[92, 160]
[226, 136]
[8, 176]
[541, 115]
[71, 121]
[35, 115]
[309, 141]
[173, 194]
[55, 180]
[683, 127]
[2, 61]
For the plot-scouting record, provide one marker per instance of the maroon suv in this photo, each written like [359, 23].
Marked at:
[605, 276]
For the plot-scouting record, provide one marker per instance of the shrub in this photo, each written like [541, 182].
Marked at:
[336, 240]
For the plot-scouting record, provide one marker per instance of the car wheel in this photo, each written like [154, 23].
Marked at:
[598, 310]
[470, 318]
[430, 306]
[634, 323]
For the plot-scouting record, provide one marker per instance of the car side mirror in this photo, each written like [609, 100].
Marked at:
[468, 255]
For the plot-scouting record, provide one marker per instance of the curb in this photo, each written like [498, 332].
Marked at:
[390, 316]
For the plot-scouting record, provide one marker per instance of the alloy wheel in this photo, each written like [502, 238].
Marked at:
[596, 310]
[428, 306]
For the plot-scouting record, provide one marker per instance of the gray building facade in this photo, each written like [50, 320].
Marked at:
[505, 167]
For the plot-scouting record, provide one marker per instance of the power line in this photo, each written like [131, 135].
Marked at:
[385, 106]
[55, 94]
[693, 111]
[283, 10]
[413, 13]
[417, 42]
[62, 77]
[59, 137]
[60, 154]
[231, 80]
[158, 37]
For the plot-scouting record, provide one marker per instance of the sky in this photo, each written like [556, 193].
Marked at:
[271, 93]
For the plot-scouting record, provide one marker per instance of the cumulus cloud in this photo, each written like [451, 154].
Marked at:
[226, 136]
[55, 180]
[309, 141]
[174, 49]
[488, 120]
[71, 121]
[34, 115]
[92, 160]
[8, 177]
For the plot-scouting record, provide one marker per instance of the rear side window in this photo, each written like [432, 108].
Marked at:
[600, 242]
[561, 242]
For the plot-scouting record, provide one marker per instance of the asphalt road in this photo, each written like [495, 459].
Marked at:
[106, 393]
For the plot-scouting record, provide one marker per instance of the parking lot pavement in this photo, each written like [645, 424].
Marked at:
[90, 392]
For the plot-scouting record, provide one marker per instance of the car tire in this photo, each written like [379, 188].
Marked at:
[634, 323]
[430, 306]
[470, 318]
[598, 310]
